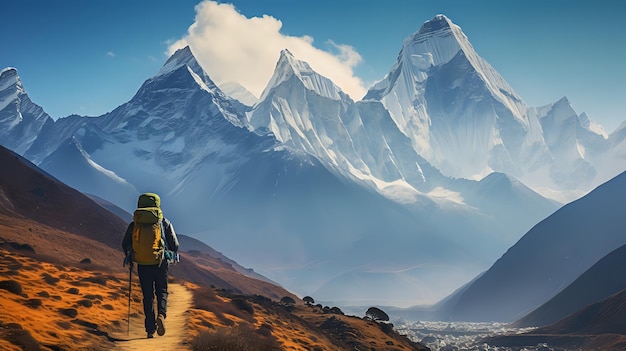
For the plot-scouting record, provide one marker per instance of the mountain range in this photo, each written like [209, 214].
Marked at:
[420, 186]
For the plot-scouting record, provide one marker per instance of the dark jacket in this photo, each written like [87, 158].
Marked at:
[168, 229]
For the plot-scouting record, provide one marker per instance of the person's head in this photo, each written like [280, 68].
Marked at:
[149, 200]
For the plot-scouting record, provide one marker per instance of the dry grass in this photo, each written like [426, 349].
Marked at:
[220, 317]
[238, 338]
[59, 307]
[50, 305]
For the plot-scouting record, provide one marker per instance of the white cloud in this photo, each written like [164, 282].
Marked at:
[232, 47]
[111, 54]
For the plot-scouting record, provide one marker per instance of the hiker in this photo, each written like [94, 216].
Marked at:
[150, 241]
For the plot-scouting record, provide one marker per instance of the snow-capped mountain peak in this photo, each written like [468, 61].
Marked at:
[288, 66]
[454, 106]
[20, 119]
[185, 58]
[436, 42]
[10, 86]
[182, 57]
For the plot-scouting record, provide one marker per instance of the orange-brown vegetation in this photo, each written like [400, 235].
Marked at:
[293, 327]
[59, 307]
[53, 306]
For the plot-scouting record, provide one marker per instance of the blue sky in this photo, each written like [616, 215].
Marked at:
[88, 57]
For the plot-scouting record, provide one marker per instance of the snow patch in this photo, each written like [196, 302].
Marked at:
[446, 194]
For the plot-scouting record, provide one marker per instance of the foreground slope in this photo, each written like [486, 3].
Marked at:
[63, 288]
[62, 224]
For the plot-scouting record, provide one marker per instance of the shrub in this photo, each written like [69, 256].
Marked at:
[16, 335]
[239, 338]
[336, 310]
[243, 305]
[50, 280]
[11, 286]
[85, 303]
[376, 314]
[22, 247]
[287, 300]
[33, 303]
[265, 330]
[387, 328]
[70, 312]
[97, 280]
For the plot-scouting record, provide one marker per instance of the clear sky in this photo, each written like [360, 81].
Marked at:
[88, 57]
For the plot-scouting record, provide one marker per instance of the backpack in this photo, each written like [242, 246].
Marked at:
[148, 239]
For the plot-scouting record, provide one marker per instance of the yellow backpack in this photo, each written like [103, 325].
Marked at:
[148, 240]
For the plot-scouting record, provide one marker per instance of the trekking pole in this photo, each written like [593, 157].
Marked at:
[130, 285]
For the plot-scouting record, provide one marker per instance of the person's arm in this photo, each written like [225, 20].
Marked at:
[127, 243]
[170, 235]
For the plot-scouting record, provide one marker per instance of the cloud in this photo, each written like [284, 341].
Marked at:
[232, 47]
[111, 54]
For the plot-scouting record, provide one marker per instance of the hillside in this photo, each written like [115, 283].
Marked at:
[599, 326]
[607, 277]
[562, 247]
[63, 289]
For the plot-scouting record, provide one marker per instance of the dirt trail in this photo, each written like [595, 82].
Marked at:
[178, 303]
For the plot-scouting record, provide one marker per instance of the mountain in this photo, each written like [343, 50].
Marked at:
[28, 193]
[547, 259]
[20, 119]
[466, 120]
[603, 317]
[329, 196]
[597, 326]
[607, 277]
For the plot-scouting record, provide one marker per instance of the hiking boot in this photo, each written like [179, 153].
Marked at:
[160, 325]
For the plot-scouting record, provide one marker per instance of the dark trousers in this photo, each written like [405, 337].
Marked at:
[153, 280]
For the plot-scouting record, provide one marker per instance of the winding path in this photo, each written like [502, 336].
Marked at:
[178, 303]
